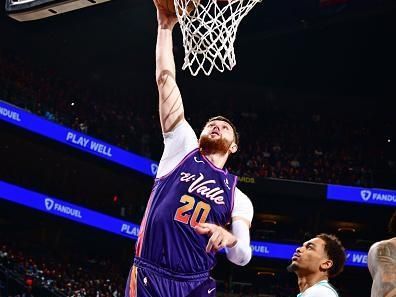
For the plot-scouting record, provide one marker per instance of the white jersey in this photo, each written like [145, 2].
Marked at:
[181, 141]
[320, 289]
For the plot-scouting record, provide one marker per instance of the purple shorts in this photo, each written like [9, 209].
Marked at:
[148, 280]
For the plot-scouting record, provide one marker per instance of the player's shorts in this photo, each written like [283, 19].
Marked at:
[148, 280]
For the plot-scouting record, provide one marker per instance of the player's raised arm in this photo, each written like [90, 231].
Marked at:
[170, 102]
[382, 266]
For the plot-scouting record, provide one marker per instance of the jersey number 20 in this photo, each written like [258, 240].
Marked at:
[201, 208]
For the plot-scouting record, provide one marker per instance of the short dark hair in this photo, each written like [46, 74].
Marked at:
[335, 251]
[224, 119]
[392, 224]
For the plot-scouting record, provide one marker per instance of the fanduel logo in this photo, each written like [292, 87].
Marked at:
[261, 249]
[154, 168]
[365, 194]
[51, 205]
[377, 196]
[384, 197]
[10, 114]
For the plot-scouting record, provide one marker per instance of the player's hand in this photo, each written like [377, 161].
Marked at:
[219, 237]
[166, 19]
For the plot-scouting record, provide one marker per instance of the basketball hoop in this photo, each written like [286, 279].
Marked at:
[209, 31]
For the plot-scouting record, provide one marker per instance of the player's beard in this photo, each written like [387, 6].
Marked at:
[210, 146]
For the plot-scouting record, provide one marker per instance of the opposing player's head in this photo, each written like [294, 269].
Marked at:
[392, 224]
[322, 255]
[219, 136]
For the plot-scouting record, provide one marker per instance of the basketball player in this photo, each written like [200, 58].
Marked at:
[319, 259]
[382, 264]
[193, 197]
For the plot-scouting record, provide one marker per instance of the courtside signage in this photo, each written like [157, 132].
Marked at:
[361, 195]
[273, 250]
[24, 119]
[356, 258]
[67, 210]
[98, 220]
[286, 251]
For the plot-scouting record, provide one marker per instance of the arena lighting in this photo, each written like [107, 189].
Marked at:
[361, 195]
[82, 215]
[24, 119]
[30, 10]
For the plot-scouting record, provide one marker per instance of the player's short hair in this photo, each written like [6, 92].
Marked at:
[224, 119]
[392, 224]
[336, 253]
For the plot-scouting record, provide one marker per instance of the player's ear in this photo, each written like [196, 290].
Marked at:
[326, 265]
[233, 148]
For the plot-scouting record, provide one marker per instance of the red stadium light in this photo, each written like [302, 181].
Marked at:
[115, 198]
[29, 282]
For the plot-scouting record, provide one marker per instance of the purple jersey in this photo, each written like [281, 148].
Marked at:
[194, 192]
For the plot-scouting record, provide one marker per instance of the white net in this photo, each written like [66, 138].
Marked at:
[209, 29]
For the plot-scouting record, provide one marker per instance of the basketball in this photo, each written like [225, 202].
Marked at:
[169, 5]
